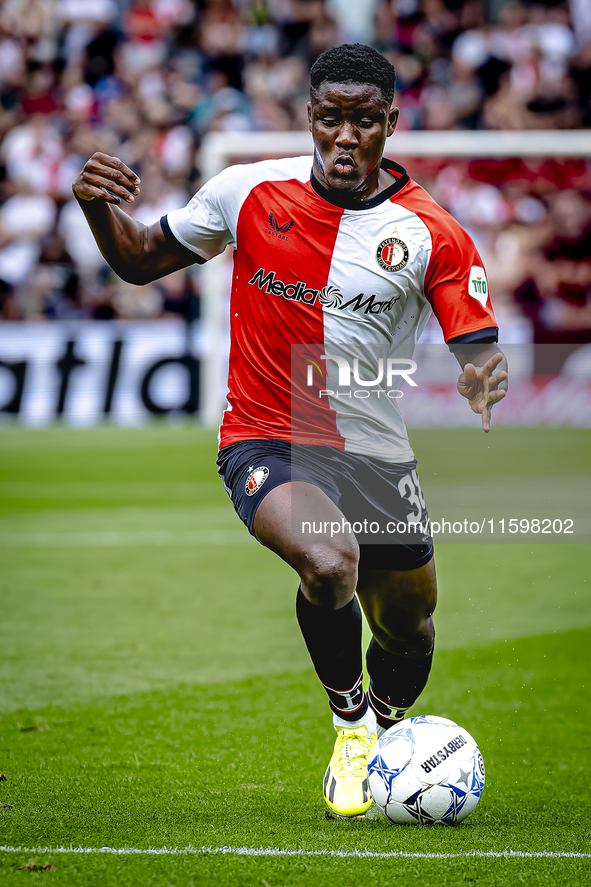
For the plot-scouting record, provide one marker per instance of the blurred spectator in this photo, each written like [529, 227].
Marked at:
[31, 154]
[556, 290]
[179, 296]
[25, 219]
[356, 21]
[146, 79]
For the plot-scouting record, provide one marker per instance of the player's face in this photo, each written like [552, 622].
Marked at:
[349, 123]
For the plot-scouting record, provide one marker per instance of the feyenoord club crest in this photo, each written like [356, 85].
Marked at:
[256, 479]
[392, 254]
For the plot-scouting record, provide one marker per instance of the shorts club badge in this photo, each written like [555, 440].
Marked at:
[392, 254]
[255, 480]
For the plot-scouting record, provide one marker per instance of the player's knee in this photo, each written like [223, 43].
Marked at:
[330, 575]
[418, 646]
[406, 634]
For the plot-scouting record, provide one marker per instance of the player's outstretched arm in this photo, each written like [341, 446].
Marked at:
[484, 378]
[136, 252]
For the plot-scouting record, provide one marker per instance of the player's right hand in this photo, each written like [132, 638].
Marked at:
[106, 178]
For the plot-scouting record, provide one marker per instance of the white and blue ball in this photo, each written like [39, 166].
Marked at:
[426, 770]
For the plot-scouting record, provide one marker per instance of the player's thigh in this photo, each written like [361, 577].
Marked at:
[301, 524]
[399, 604]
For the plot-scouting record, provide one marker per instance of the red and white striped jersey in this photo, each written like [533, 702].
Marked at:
[310, 273]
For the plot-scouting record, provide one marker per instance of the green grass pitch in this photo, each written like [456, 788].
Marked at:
[155, 691]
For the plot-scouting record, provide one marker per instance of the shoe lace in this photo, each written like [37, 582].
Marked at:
[353, 752]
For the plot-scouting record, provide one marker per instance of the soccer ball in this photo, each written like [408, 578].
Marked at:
[426, 770]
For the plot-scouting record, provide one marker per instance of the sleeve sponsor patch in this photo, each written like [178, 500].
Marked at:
[477, 285]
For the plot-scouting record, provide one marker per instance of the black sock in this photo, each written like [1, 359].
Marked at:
[333, 639]
[395, 683]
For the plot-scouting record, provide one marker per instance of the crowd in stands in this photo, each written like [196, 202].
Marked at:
[146, 80]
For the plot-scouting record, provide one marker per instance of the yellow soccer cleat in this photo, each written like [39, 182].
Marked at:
[346, 787]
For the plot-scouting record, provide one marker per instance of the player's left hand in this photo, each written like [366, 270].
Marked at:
[481, 386]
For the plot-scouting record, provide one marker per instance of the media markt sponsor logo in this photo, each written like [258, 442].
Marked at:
[369, 304]
[477, 285]
[392, 254]
[329, 296]
[277, 230]
[255, 480]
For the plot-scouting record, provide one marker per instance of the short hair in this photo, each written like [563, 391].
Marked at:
[354, 63]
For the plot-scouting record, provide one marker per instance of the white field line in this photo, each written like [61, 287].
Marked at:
[125, 539]
[278, 851]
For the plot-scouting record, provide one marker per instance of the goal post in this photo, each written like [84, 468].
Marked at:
[221, 149]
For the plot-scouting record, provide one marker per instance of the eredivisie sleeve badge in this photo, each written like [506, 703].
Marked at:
[255, 480]
[392, 254]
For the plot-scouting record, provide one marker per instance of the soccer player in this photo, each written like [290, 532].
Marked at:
[339, 260]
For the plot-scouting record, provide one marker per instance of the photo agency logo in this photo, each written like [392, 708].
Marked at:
[350, 373]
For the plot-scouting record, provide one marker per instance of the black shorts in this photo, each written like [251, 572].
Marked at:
[382, 502]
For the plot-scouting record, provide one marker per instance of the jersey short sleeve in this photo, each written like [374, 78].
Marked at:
[456, 284]
[455, 280]
[207, 224]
